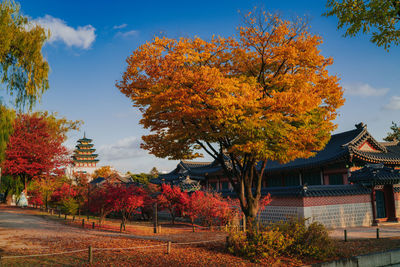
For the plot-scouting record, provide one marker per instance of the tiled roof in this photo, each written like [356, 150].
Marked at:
[341, 147]
[310, 191]
[375, 174]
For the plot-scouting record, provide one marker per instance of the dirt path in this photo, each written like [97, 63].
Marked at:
[20, 228]
[25, 232]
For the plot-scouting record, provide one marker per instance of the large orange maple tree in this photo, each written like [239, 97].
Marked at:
[261, 96]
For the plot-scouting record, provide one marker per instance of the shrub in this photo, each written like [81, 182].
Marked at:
[267, 243]
[69, 206]
[308, 241]
[293, 238]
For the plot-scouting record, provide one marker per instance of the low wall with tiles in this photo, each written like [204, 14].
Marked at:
[331, 211]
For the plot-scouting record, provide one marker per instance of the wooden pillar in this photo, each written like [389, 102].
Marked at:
[390, 203]
[374, 220]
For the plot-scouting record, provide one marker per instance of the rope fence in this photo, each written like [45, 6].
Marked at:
[90, 250]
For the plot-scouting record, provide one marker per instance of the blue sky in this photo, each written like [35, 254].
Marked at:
[91, 40]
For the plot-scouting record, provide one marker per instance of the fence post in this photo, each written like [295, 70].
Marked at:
[155, 218]
[83, 223]
[90, 254]
[93, 225]
[377, 233]
[169, 247]
[159, 229]
[345, 235]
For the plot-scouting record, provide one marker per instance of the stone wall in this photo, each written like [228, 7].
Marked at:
[333, 211]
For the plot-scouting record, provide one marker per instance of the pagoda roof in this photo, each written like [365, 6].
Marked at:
[86, 160]
[85, 156]
[85, 150]
[84, 145]
[85, 140]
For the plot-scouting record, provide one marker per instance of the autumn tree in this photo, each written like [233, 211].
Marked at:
[128, 200]
[265, 95]
[381, 17]
[103, 171]
[34, 149]
[172, 199]
[102, 200]
[394, 135]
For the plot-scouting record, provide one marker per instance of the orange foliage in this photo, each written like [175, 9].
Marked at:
[265, 95]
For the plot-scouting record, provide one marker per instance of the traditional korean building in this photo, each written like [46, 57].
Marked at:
[319, 187]
[84, 159]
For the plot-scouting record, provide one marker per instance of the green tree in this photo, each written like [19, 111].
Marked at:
[379, 17]
[23, 70]
[154, 172]
[142, 178]
[7, 117]
[395, 134]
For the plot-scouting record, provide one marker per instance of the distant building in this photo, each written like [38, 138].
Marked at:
[84, 159]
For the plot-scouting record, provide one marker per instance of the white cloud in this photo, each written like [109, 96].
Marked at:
[81, 37]
[127, 34]
[394, 103]
[365, 90]
[126, 148]
[120, 26]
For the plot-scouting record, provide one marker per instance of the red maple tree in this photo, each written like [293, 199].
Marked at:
[173, 199]
[34, 149]
[102, 200]
[128, 200]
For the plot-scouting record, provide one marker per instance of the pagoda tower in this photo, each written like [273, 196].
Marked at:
[84, 159]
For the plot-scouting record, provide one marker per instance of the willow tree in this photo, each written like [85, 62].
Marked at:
[264, 95]
[23, 70]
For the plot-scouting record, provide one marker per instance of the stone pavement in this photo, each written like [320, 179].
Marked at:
[386, 229]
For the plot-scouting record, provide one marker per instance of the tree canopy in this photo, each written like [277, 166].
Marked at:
[23, 70]
[34, 149]
[394, 135]
[265, 95]
[381, 17]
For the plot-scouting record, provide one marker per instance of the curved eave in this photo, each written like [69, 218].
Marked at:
[85, 150]
[86, 161]
[375, 158]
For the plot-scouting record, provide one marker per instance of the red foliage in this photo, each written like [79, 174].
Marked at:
[172, 199]
[64, 192]
[33, 148]
[35, 197]
[211, 208]
[101, 200]
[127, 200]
